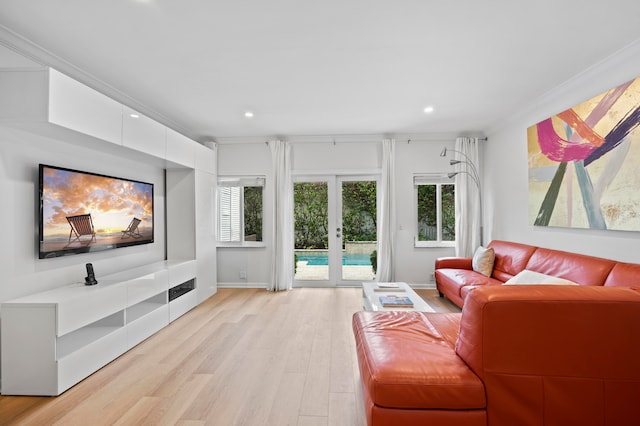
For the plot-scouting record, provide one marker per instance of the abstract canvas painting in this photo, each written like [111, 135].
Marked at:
[584, 164]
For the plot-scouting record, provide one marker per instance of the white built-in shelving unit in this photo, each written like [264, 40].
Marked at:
[52, 340]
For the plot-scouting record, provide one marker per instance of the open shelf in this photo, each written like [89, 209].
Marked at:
[145, 307]
[76, 340]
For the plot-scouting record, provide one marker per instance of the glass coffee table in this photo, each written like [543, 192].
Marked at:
[371, 292]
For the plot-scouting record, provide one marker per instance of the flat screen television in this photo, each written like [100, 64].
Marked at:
[82, 212]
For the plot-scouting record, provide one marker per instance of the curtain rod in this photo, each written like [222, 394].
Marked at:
[341, 139]
[330, 141]
[431, 140]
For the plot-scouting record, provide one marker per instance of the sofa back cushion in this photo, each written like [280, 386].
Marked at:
[579, 268]
[624, 275]
[510, 258]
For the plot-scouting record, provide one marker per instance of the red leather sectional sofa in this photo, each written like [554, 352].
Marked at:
[515, 355]
[455, 276]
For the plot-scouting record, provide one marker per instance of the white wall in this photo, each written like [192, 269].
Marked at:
[506, 172]
[340, 157]
[22, 272]
[413, 265]
[247, 159]
[504, 165]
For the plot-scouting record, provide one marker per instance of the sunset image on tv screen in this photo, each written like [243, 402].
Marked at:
[86, 212]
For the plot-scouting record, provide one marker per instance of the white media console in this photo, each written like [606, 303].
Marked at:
[53, 340]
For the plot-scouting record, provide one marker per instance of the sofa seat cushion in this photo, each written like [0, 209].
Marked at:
[464, 291]
[452, 280]
[406, 362]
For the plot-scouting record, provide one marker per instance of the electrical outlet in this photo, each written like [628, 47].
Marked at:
[432, 277]
[243, 275]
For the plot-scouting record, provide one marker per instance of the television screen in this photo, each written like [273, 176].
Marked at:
[83, 212]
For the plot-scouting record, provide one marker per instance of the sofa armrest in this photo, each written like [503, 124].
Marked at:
[454, 263]
[558, 354]
[544, 330]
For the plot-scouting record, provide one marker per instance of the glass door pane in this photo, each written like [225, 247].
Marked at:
[359, 229]
[335, 230]
[311, 216]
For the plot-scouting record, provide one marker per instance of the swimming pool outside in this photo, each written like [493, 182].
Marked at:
[322, 259]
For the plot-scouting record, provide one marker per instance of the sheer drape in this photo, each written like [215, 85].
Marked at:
[386, 219]
[468, 198]
[282, 254]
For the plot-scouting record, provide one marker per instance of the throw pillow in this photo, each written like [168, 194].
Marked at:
[483, 259]
[532, 277]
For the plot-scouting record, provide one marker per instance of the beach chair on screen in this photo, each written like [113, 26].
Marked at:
[81, 225]
[132, 229]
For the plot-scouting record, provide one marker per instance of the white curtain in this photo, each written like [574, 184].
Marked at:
[282, 254]
[387, 219]
[468, 197]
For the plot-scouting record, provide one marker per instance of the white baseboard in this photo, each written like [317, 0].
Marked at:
[242, 285]
[426, 286]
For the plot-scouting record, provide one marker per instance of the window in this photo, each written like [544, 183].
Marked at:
[240, 210]
[436, 211]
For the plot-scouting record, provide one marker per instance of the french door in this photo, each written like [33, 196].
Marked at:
[335, 229]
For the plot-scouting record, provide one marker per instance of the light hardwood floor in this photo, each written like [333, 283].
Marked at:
[243, 357]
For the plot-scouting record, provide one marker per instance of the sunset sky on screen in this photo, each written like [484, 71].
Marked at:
[111, 202]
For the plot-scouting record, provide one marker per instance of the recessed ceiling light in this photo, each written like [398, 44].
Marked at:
[248, 114]
[429, 109]
[134, 115]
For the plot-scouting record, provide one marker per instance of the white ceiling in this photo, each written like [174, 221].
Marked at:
[330, 67]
